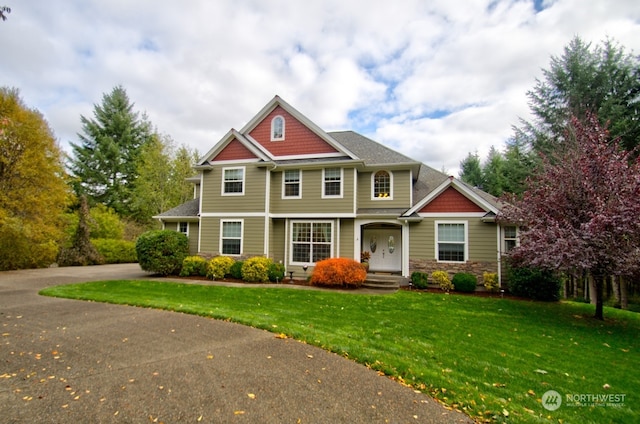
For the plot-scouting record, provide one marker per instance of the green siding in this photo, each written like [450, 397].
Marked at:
[347, 236]
[277, 240]
[311, 200]
[401, 191]
[482, 242]
[252, 233]
[254, 191]
[193, 238]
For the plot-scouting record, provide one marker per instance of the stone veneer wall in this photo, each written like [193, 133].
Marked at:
[473, 267]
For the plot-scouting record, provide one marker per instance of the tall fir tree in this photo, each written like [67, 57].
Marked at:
[471, 170]
[104, 163]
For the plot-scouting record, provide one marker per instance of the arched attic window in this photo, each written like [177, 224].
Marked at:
[277, 128]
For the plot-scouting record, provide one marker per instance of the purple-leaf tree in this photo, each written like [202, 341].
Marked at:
[582, 211]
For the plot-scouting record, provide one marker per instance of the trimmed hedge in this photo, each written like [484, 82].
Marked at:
[116, 251]
[162, 251]
[464, 282]
[338, 272]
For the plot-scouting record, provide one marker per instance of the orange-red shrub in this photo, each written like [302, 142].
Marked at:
[338, 272]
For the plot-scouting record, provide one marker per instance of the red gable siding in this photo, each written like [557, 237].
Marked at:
[298, 139]
[234, 151]
[451, 200]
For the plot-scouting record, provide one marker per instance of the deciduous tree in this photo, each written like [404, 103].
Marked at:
[581, 211]
[33, 190]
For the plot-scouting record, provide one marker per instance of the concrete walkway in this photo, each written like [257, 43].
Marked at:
[66, 361]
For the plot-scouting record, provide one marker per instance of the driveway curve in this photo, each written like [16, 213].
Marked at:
[64, 361]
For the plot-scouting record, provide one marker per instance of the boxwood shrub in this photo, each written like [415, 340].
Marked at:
[194, 266]
[256, 269]
[419, 279]
[276, 272]
[162, 251]
[464, 282]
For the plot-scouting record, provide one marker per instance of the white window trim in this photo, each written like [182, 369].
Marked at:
[178, 228]
[299, 196]
[310, 221]
[466, 240]
[244, 180]
[273, 122]
[222, 222]
[333, 196]
[373, 188]
[503, 240]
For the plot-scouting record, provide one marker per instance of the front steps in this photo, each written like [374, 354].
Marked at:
[382, 281]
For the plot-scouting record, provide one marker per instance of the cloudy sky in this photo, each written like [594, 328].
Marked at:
[433, 79]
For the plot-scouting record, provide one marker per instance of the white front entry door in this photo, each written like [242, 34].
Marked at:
[385, 247]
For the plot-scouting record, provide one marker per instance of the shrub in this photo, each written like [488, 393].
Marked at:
[441, 278]
[236, 270]
[490, 281]
[464, 282]
[194, 266]
[116, 251]
[533, 283]
[276, 272]
[419, 279]
[219, 267]
[338, 272]
[256, 269]
[162, 251]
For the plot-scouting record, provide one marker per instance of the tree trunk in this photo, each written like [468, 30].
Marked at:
[615, 286]
[624, 295]
[599, 281]
[593, 293]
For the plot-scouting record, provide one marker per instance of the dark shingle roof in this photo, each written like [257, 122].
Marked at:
[371, 152]
[190, 209]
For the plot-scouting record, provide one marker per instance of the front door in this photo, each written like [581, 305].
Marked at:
[385, 247]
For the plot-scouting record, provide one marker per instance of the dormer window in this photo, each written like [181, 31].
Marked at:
[277, 128]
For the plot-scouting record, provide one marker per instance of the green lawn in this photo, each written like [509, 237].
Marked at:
[492, 358]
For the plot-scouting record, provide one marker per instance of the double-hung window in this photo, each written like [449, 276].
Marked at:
[510, 237]
[183, 227]
[233, 181]
[231, 238]
[311, 241]
[291, 184]
[451, 241]
[332, 182]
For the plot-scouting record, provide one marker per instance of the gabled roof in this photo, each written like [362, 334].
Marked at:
[190, 209]
[224, 141]
[484, 200]
[277, 101]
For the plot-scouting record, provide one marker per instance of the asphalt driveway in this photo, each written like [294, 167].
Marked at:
[64, 361]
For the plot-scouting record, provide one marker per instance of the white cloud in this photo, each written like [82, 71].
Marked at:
[202, 67]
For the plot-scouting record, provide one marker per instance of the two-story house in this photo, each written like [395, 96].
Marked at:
[284, 188]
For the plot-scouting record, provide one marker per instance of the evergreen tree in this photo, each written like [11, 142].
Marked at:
[105, 161]
[493, 173]
[471, 171]
[603, 80]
